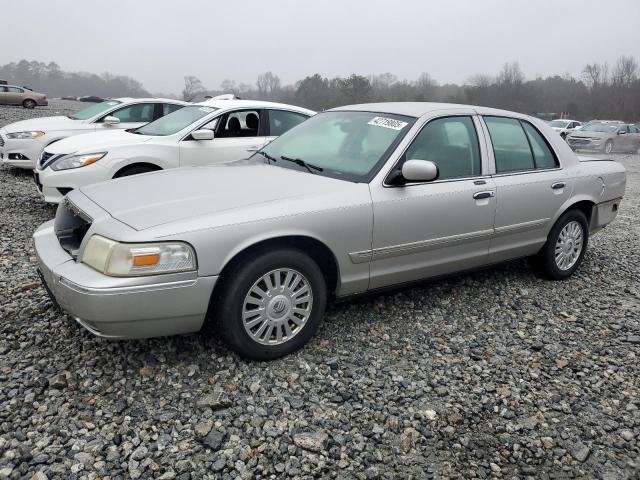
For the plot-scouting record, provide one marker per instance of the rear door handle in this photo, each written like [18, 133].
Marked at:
[558, 185]
[485, 194]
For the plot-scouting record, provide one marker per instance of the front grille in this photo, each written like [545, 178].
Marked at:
[71, 225]
[1, 141]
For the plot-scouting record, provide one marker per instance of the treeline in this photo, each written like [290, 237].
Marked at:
[602, 91]
[50, 79]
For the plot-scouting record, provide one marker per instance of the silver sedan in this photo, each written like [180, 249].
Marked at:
[354, 200]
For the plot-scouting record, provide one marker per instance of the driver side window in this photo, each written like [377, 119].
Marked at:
[244, 123]
[452, 144]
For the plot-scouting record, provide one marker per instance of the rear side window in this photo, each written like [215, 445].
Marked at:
[542, 154]
[281, 121]
[518, 146]
[452, 144]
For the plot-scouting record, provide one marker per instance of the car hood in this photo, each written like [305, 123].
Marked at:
[46, 124]
[233, 192]
[96, 142]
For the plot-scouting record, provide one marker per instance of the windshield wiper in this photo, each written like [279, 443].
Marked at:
[267, 156]
[298, 161]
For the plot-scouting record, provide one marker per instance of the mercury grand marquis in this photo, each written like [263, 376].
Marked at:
[355, 199]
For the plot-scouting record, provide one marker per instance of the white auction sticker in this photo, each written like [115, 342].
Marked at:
[388, 123]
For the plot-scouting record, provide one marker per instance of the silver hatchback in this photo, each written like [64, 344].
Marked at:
[353, 200]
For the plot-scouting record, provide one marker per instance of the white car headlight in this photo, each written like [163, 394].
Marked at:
[135, 259]
[77, 161]
[25, 135]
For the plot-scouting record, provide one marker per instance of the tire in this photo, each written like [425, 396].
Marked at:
[134, 170]
[547, 263]
[234, 302]
[608, 147]
[28, 103]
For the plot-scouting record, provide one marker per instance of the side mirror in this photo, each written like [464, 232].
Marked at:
[202, 134]
[419, 171]
[109, 120]
[621, 132]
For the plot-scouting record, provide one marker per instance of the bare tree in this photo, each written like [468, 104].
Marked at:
[192, 88]
[268, 84]
[625, 72]
[511, 74]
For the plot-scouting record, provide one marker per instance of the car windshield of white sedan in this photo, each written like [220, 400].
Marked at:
[558, 123]
[600, 127]
[94, 110]
[346, 145]
[175, 121]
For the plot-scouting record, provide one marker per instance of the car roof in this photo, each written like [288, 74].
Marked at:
[232, 104]
[148, 99]
[418, 109]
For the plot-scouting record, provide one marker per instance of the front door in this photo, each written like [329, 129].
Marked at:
[435, 228]
[530, 185]
[238, 135]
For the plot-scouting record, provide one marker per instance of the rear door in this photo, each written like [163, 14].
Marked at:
[530, 184]
[15, 95]
[131, 116]
[238, 135]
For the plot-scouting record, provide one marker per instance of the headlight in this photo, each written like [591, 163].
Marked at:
[25, 135]
[77, 161]
[134, 259]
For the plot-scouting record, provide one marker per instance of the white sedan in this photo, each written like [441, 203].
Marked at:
[211, 132]
[564, 126]
[21, 143]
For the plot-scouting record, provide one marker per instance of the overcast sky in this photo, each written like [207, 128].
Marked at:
[158, 42]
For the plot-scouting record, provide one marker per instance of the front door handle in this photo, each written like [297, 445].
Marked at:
[254, 149]
[558, 185]
[485, 194]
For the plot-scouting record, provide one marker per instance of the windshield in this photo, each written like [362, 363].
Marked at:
[558, 123]
[600, 127]
[94, 110]
[175, 121]
[345, 145]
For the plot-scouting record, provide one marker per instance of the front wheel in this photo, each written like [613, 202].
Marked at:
[30, 104]
[271, 304]
[566, 245]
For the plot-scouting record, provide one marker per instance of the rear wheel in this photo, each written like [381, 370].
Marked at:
[28, 103]
[608, 147]
[271, 304]
[566, 245]
[134, 170]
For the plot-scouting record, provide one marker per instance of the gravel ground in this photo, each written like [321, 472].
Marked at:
[493, 374]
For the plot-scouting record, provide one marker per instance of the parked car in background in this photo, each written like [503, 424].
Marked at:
[203, 134]
[564, 126]
[13, 95]
[606, 137]
[353, 200]
[21, 143]
[91, 98]
[593, 122]
[3, 82]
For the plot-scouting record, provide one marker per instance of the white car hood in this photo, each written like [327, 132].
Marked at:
[46, 124]
[96, 142]
[223, 193]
